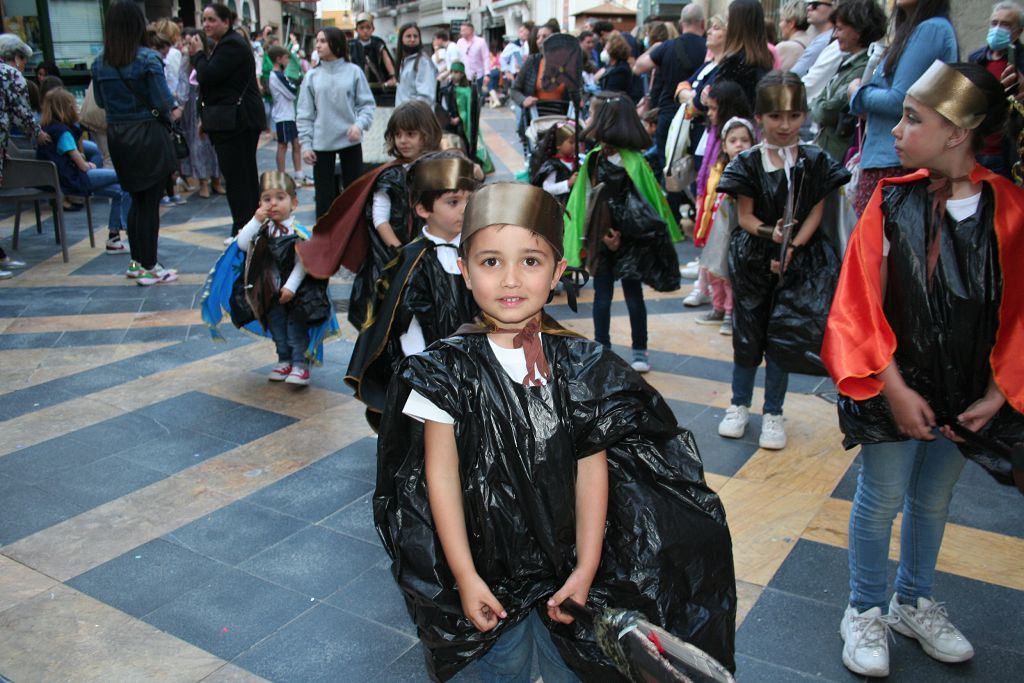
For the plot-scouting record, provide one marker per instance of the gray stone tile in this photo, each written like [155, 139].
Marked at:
[326, 645]
[47, 460]
[229, 614]
[315, 561]
[105, 305]
[147, 577]
[236, 532]
[178, 450]
[11, 310]
[101, 481]
[174, 333]
[720, 455]
[357, 460]
[89, 338]
[54, 306]
[189, 409]
[121, 432]
[26, 509]
[753, 670]
[355, 519]
[96, 379]
[29, 340]
[374, 595]
[311, 494]
[685, 411]
[244, 424]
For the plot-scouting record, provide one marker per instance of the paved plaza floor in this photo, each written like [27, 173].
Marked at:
[168, 515]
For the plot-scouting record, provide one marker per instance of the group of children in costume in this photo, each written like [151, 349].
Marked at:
[520, 465]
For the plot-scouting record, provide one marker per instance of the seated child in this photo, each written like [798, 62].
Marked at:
[555, 165]
[265, 289]
[425, 298]
[544, 469]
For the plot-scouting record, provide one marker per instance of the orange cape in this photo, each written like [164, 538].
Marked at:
[859, 343]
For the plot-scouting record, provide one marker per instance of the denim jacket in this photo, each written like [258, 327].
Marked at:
[145, 75]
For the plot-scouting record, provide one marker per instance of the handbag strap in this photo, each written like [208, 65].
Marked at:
[152, 110]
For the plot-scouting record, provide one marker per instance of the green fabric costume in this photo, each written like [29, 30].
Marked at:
[464, 96]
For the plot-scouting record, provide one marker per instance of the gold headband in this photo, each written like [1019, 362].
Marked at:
[790, 97]
[515, 204]
[440, 175]
[275, 180]
[952, 94]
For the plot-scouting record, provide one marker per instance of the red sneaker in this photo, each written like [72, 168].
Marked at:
[298, 376]
[280, 372]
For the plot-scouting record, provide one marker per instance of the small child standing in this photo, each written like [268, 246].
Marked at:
[505, 452]
[265, 289]
[78, 176]
[283, 93]
[762, 180]
[620, 219]
[553, 167]
[719, 214]
[421, 295]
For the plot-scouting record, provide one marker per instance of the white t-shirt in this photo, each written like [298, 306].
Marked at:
[512, 361]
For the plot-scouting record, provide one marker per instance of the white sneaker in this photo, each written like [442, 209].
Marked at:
[6, 275]
[866, 641]
[929, 624]
[691, 270]
[735, 422]
[640, 361]
[8, 262]
[773, 433]
[696, 298]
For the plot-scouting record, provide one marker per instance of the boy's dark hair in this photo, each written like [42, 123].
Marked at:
[50, 67]
[428, 198]
[415, 115]
[731, 99]
[651, 115]
[49, 83]
[601, 27]
[276, 52]
[336, 40]
[443, 35]
[124, 31]
[616, 123]
[553, 24]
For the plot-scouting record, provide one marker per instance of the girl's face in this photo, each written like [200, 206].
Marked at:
[323, 49]
[922, 135]
[737, 140]
[213, 26]
[568, 146]
[713, 111]
[411, 37]
[847, 37]
[716, 36]
[781, 127]
[409, 143]
[278, 204]
[511, 271]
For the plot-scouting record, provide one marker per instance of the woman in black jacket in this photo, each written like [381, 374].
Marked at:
[231, 112]
[618, 76]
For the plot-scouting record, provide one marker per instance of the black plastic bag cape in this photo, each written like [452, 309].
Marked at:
[667, 550]
[783, 320]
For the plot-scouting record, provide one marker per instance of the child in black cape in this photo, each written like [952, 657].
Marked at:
[422, 296]
[544, 468]
[555, 165]
[778, 321]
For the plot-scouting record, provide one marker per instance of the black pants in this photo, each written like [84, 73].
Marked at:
[236, 154]
[325, 183]
[144, 225]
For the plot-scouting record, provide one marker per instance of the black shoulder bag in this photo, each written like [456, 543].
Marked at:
[177, 135]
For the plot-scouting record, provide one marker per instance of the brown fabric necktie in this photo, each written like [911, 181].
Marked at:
[941, 189]
[528, 339]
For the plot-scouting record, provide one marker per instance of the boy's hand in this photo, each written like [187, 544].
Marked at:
[479, 604]
[612, 240]
[309, 156]
[572, 178]
[286, 295]
[90, 165]
[977, 414]
[260, 215]
[913, 416]
[355, 134]
[576, 587]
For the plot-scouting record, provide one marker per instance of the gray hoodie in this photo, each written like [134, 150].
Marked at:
[334, 97]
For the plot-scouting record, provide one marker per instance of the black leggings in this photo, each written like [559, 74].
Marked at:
[144, 225]
[326, 183]
[236, 154]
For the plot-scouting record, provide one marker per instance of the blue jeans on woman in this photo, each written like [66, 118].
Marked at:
[917, 477]
[103, 183]
[633, 292]
[511, 657]
[776, 381]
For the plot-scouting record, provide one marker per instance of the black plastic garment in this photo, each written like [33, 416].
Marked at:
[944, 334]
[561, 171]
[414, 286]
[787, 320]
[393, 181]
[667, 550]
[646, 252]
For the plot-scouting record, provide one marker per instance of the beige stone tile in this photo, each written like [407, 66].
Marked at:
[166, 318]
[747, 595]
[69, 323]
[254, 390]
[229, 673]
[18, 583]
[715, 481]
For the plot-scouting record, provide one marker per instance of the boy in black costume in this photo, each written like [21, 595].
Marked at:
[425, 298]
[545, 468]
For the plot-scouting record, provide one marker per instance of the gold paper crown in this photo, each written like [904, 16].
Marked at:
[275, 180]
[515, 204]
[363, 16]
[440, 175]
[952, 94]
[791, 97]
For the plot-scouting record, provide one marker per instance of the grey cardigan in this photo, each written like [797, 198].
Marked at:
[334, 97]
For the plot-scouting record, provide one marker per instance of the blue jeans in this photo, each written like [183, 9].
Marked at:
[633, 291]
[917, 477]
[290, 336]
[92, 153]
[776, 381]
[511, 658]
[103, 183]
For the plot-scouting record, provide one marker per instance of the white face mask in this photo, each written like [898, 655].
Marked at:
[605, 58]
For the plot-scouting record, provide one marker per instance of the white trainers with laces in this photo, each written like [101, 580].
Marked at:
[734, 424]
[773, 433]
[696, 297]
[691, 270]
[866, 641]
[929, 624]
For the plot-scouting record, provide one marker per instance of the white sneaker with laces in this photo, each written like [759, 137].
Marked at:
[929, 624]
[640, 361]
[691, 270]
[8, 262]
[696, 298]
[866, 641]
[734, 424]
[773, 432]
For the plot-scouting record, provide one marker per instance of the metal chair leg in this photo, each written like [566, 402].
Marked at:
[58, 221]
[17, 225]
[88, 220]
[39, 218]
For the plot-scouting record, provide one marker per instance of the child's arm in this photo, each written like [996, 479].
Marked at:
[591, 511]
[750, 222]
[913, 416]
[80, 161]
[381, 213]
[291, 285]
[245, 235]
[444, 490]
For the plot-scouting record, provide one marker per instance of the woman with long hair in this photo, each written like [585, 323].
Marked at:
[417, 75]
[921, 33]
[129, 83]
[747, 57]
[231, 110]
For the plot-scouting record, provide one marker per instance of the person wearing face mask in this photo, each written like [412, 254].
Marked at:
[1001, 44]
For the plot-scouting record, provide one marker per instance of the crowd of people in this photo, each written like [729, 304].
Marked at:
[778, 138]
